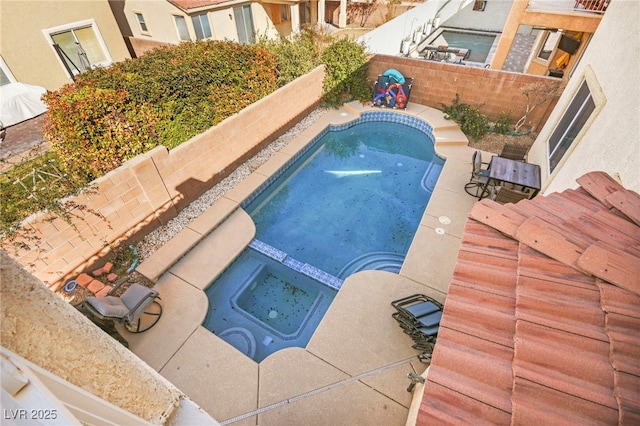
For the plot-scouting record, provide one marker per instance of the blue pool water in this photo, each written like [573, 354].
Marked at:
[479, 44]
[261, 306]
[351, 201]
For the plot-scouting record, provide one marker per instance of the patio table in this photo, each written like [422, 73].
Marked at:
[515, 172]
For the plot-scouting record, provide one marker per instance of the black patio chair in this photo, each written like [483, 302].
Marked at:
[477, 184]
[514, 152]
[506, 195]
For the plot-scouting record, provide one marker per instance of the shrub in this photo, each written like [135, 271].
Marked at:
[501, 125]
[189, 71]
[34, 186]
[471, 121]
[94, 130]
[346, 71]
[295, 56]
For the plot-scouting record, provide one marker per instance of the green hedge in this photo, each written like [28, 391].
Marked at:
[162, 98]
[346, 68]
[295, 56]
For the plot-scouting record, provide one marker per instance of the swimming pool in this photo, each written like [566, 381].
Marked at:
[481, 44]
[350, 201]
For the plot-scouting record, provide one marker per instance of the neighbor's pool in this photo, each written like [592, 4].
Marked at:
[351, 201]
[479, 43]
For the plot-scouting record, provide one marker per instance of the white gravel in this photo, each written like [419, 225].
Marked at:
[161, 235]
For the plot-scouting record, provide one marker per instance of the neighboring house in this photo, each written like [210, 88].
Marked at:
[562, 30]
[388, 37]
[157, 22]
[543, 37]
[47, 43]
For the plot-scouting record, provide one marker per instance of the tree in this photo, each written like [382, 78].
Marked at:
[537, 93]
[362, 9]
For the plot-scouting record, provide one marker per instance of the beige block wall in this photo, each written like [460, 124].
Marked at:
[28, 52]
[41, 327]
[150, 189]
[141, 46]
[495, 91]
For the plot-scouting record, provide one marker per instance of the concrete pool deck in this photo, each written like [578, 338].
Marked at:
[354, 369]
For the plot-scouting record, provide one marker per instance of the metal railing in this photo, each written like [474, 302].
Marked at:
[570, 6]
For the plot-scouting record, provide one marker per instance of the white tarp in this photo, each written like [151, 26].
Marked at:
[20, 102]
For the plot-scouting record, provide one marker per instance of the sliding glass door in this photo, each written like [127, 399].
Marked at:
[244, 24]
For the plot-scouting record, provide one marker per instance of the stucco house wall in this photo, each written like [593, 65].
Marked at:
[27, 51]
[609, 141]
[492, 18]
[161, 26]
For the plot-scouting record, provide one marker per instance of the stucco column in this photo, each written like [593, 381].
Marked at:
[295, 18]
[518, 9]
[342, 17]
[321, 12]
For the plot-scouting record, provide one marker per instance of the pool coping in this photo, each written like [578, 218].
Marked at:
[178, 343]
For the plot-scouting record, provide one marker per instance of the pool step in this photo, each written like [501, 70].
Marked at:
[428, 182]
[377, 260]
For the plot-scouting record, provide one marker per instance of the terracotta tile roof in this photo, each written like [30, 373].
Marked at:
[187, 5]
[542, 320]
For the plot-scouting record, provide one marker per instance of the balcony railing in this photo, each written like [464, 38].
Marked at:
[570, 6]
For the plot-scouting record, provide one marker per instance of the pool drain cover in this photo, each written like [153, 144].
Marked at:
[273, 314]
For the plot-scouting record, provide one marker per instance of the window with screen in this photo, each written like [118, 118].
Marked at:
[181, 26]
[141, 23]
[305, 13]
[79, 46]
[284, 12]
[244, 24]
[573, 120]
[201, 26]
[6, 77]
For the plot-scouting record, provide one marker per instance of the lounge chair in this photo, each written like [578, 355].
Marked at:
[479, 177]
[419, 316]
[127, 309]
